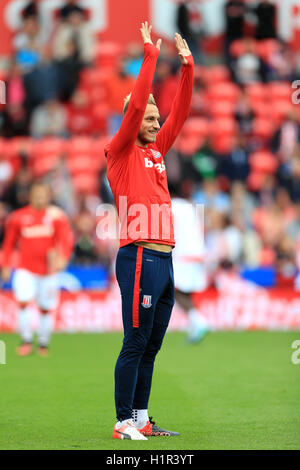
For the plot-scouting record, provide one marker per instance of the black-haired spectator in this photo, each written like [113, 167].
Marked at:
[69, 69]
[31, 10]
[72, 6]
[266, 20]
[76, 29]
[189, 23]
[234, 24]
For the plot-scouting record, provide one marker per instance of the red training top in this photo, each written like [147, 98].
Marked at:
[37, 233]
[137, 175]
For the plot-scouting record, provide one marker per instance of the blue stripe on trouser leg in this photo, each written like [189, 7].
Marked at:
[134, 367]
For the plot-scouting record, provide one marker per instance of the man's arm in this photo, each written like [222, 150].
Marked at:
[128, 132]
[10, 240]
[181, 104]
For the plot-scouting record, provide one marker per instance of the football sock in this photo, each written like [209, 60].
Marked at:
[140, 418]
[120, 423]
[196, 321]
[25, 330]
[45, 329]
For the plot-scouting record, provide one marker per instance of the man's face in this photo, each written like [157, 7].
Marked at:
[150, 125]
[39, 197]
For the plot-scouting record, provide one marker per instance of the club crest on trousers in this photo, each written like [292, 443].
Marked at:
[147, 301]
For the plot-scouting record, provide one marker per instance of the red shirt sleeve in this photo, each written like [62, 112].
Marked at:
[125, 138]
[180, 109]
[12, 233]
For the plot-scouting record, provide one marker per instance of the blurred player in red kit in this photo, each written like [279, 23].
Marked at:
[137, 173]
[45, 242]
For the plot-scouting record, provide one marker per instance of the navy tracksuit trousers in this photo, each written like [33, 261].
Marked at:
[146, 282]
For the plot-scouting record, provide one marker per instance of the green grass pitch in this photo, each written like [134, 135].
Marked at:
[235, 390]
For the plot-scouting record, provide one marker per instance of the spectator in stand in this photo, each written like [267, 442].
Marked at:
[286, 139]
[205, 161]
[15, 90]
[31, 10]
[69, 71]
[15, 122]
[211, 196]
[243, 203]
[189, 23]
[49, 120]
[85, 252]
[289, 176]
[4, 213]
[62, 190]
[244, 114]
[74, 28]
[164, 87]
[235, 166]
[117, 87]
[43, 82]
[223, 240]
[234, 24]
[281, 63]
[200, 102]
[293, 228]
[134, 59]
[285, 262]
[248, 68]
[70, 7]
[80, 120]
[6, 172]
[27, 43]
[16, 195]
[266, 20]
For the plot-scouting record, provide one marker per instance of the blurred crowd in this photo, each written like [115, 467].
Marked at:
[239, 152]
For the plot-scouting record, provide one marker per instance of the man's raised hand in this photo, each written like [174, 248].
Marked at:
[146, 34]
[182, 48]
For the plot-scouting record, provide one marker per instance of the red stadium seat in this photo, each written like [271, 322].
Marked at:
[19, 144]
[100, 112]
[216, 74]
[257, 92]
[83, 163]
[261, 109]
[263, 161]
[49, 146]
[223, 127]
[195, 126]
[255, 180]
[265, 48]
[237, 48]
[280, 91]
[108, 53]
[79, 145]
[223, 144]
[41, 166]
[263, 128]
[188, 145]
[280, 109]
[220, 109]
[86, 183]
[226, 91]
[93, 77]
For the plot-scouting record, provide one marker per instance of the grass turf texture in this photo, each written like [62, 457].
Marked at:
[235, 390]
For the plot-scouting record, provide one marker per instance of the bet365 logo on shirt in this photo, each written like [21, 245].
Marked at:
[158, 166]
